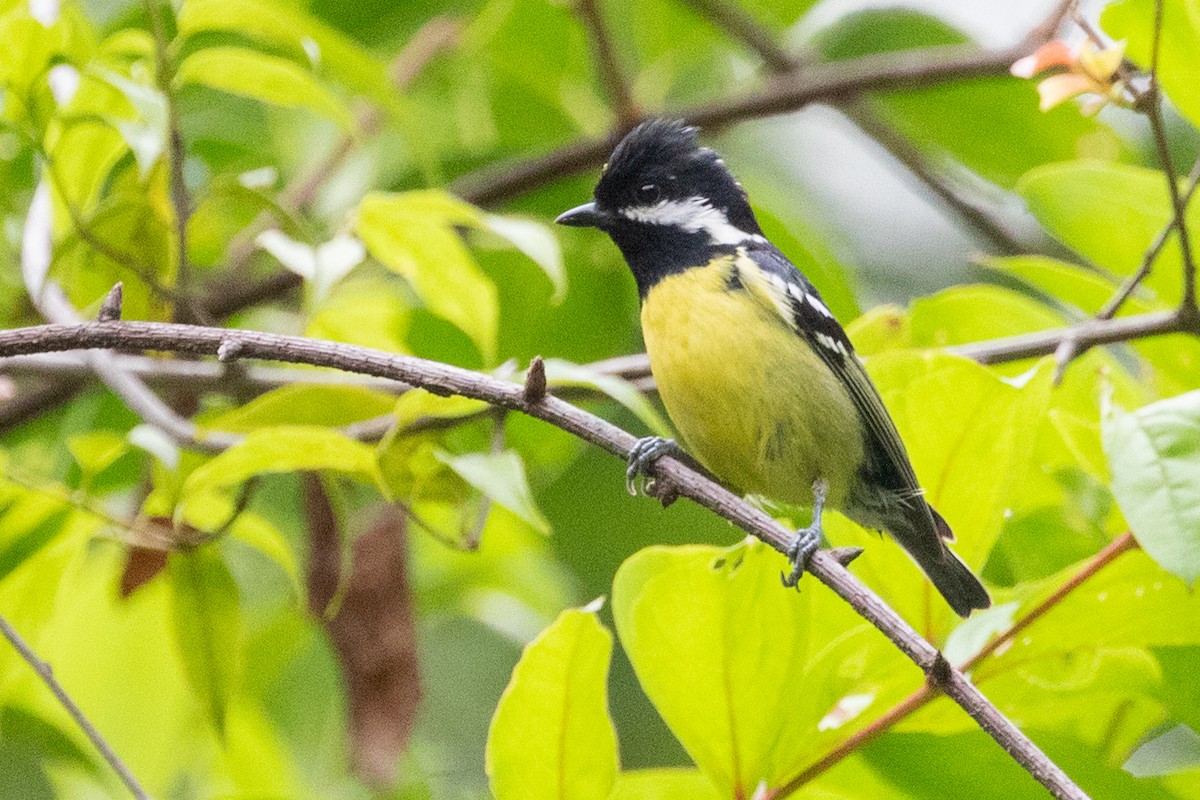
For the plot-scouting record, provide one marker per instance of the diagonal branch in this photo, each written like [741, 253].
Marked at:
[46, 674]
[676, 478]
[928, 692]
[1152, 106]
[616, 87]
[741, 25]
[833, 83]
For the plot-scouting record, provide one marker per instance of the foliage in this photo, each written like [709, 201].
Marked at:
[361, 173]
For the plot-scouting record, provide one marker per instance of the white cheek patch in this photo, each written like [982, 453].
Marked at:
[692, 215]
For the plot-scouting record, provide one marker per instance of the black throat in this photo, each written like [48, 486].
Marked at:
[654, 252]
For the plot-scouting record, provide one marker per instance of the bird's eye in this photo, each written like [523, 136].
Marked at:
[649, 193]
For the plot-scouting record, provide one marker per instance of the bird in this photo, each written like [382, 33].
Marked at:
[759, 378]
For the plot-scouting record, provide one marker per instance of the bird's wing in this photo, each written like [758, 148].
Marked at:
[796, 300]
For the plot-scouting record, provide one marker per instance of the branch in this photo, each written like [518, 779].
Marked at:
[616, 87]
[928, 692]
[1130, 285]
[912, 159]
[833, 83]
[676, 478]
[46, 674]
[181, 201]
[742, 25]
[1153, 110]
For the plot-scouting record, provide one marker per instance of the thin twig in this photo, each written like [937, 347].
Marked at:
[742, 25]
[929, 692]
[915, 161]
[46, 674]
[832, 83]
[679, 479]
[612, 78]
[1131, 284]
[181, 200]
[1153, 111]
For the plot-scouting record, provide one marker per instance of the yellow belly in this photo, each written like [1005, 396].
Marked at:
[751, 400]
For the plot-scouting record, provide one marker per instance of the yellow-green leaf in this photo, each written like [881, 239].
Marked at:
[285, 448]
[551, 736]
[732, 664]
[414, 235]
[268, 79]
[500, 476]
[1154, 456]
[207, 626]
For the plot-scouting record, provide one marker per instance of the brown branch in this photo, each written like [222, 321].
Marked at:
[46, 674]
[181, 200]
[929, 691]
[1085, 334]
[742, 25]
[616, 87]
[1130, 285]
[832, 83]
[1153, 110]
[911, 158]
[679, 479]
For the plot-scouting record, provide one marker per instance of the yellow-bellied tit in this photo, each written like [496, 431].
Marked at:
[759, 378]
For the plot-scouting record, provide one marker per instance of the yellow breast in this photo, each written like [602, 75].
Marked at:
[749, 397]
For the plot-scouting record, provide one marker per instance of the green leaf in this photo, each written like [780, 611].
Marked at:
[268, 79]
[536, 241]
[1177, 750]
[287, 26]
[369, 312]
[719, 650]
[1110, 213]
[414, 235]
[501, 477]
[305, 404]
[96, 451]
[663, 784]
[256, 531]
[1178, 58]
[564, 373]
[1068, 283]
[282, 449]
[969, 435]
[146, 134]
[551, 736]
[207, 627]
[1131, 603]
[1154, 456]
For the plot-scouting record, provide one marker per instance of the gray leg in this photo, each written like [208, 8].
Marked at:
[645, 453]
[807, 539]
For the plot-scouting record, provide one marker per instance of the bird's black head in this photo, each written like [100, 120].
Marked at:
[667, 202]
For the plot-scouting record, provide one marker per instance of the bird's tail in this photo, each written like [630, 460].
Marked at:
[949, 574]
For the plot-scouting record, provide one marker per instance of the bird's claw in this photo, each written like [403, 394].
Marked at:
[799, 552]
[645, 452]
[807, 539]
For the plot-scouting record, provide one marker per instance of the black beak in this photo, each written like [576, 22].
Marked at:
[584, 216]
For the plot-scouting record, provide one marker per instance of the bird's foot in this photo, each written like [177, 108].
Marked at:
[807, 539]
[647, 450]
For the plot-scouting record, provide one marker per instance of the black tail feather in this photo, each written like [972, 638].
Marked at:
[949, 574]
